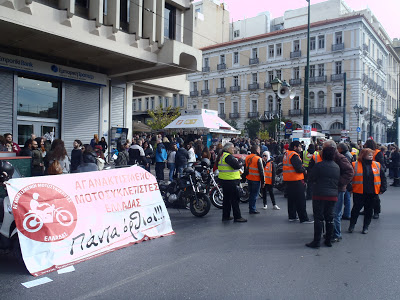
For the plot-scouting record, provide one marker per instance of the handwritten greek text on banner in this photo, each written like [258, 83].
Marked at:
[66, 219]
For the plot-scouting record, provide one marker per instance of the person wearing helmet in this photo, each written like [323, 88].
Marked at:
[6, 171]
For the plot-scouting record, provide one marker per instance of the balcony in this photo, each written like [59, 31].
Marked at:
[253, 115]
[222, 115]
[253, 86]
[294, 112]
[254, 61]
[235, 88]
[365, 78]
[365, 48]
[295, 54]
[235, 115]
[337, 47]
[206, 69]
[317, 79]
[379, 89]
[337, 77]
[205, 92]
[318, 111]
[194, 93]
[379, 62]
[267, 85]
[221, 67]
[221, 90]
[337, 110]
[296, 81]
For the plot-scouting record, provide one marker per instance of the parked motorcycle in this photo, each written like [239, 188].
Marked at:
[187, 191]
[8, 231]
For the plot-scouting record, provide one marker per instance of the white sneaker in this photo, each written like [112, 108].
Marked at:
[265, 207]
[276, 207]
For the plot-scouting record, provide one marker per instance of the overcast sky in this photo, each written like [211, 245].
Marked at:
[386, 11]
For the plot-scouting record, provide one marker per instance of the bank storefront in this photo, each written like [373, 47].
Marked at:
[49, 100]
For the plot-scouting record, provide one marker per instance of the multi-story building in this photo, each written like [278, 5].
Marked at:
[210, 26]
[67, 67]
[238, 83]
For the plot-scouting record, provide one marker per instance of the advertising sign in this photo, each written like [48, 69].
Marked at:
[306, 131]
[66, 219]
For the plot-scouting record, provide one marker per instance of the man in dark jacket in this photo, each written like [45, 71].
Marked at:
[181, 159]
[27, 150]
[37, 160]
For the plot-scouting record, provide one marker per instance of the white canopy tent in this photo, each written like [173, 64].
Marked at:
[205, 121]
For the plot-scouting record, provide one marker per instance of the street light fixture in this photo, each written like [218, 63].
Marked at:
[281, 89]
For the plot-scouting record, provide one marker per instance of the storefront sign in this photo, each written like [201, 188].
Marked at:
[28, 65]
[66, 219]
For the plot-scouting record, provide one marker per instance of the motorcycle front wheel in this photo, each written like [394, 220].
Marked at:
[244, 194]
[201, 207]
[217, 197]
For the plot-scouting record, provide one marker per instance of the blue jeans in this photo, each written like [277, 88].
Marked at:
[180, 171]
[347, 205]
[171, 167]
[337, 233]
[254, 189]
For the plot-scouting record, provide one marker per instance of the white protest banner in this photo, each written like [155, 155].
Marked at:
[66, 219]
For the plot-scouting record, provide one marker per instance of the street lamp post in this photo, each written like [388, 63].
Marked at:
[276, 85]
[358, 110]
[307, 75]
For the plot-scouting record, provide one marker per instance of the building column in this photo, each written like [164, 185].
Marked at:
[128, 111]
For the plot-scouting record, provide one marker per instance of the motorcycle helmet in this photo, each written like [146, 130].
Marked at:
[188, 170]
[205, 162]
[6, 171]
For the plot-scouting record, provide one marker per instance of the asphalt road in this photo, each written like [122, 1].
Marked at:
[208, 259]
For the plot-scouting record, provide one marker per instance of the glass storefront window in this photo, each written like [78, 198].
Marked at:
[24, 133]
[38, 98]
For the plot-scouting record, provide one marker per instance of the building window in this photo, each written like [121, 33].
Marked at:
[152, 103]
[296, 72]
[362, 100]
[236, 57]
[206, 62]
[338, 67]
[235, 80]
[206, 84]
[321, 70]
[321, 99]
[296, 102]
[134, 104]
[140, 104]
[175, 97]
[279, 74]
[160, 101]
[254, 77]
[278, 49]
[205, 106]
[147, 103]
[182, 100]
[338, 38]
[271, 51]
[169, 21]
[194, 86]
[222, 82]
[235, 107]
[253, 105]
[221, 108]
[222, 59]
[270, 76]
[270, 103]
[166, 102]
[296, 45]
[338, 99]
[321, 41]
[311, 99]
[312, 42]
[316, 126]
[254, 53]
[124, 15]
[312, 71]
[236, 33]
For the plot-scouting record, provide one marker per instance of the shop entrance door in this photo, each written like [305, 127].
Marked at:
[47, 129]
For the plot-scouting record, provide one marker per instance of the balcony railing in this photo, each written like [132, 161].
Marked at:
[221, 90]
[206, 69]
[222, 115]
[318, 111]
[337, 47]
[234, 115]
[365, 78]
[294, 112]
[254, 61]
[295, 54]
[221, 67]
[253, 86]
[337, 110]
[337, 77]
[253, 115]
[317, 79]
[235, 88]
[379, 61]
[205, 92]
[296, 81]
[365, 47]
[194, 93]
[379, 89]
[267, 85]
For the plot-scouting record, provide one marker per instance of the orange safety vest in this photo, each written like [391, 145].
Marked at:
[268, 172]
[254, 174]
[289, 173]
[375, 153]
[358, 177]
[317, 157]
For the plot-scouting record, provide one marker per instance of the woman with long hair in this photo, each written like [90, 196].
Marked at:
[59, 153]
[368, 182]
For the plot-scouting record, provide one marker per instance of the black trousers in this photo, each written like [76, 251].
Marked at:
[323, 211]
[377, 205]
[160, 170]
[270, 189]
[231, 199]
[359, 201]
[296, 200]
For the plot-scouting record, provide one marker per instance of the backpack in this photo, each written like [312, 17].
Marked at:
[55, 168]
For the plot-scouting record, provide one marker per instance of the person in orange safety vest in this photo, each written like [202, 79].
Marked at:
[269, 175]
[255, 177]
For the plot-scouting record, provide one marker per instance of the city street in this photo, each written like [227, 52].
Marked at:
[262, 259]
